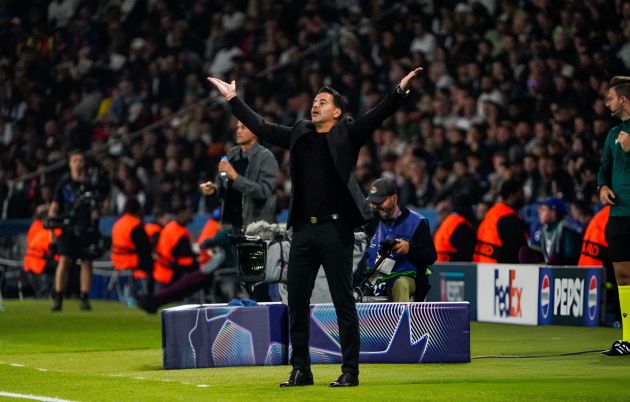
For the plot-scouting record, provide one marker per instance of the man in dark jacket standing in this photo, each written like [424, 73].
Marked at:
[249, 178]
[326, 204]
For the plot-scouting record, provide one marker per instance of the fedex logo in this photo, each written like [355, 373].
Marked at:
[507, 296]
[568, 297]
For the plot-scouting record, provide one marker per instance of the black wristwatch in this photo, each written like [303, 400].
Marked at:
[402, 93]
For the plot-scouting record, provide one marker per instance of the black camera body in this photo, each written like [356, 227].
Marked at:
[75, 220]
[386, 246]
[261, 260]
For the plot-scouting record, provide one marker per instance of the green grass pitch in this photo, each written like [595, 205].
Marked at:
[114, 354]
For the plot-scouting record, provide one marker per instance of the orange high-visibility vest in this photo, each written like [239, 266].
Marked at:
[153, 231]
[165, 261]
[124, 251]
[489, 243]
[210, 230]
[594, 244]
[443, 234]
[36, 227]
[38, 241]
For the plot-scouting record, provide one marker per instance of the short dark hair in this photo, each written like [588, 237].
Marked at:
[76, 151]
[132, 206]
[509, 187]
[338, 98]
[621, 83]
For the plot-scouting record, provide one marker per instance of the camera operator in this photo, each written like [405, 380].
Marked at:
[75, 208]
[406, 237]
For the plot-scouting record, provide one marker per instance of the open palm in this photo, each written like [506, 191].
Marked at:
[227, 90]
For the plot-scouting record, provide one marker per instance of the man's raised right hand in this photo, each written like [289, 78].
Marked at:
[227, 90]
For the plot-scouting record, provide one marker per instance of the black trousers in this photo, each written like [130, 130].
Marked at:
[330, 245]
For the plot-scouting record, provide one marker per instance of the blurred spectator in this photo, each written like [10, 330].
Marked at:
[560, 241]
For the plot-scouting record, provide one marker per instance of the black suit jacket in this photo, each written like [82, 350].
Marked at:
[344, 142]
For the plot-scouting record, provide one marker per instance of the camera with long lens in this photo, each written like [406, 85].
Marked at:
[77, 220]
[261, 260]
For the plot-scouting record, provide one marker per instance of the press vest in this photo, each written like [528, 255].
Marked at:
[594, 244]
[165, 262]
[443, 234]
[401, 230]
[488, 248]
[124, 251]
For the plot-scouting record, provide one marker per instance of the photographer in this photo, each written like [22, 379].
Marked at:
[75, 209]
[406, 237]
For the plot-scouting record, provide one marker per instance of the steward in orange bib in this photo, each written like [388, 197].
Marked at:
[154, 228]
[131, 247]
[174, 254]
[210, 230]
[594, 244]
[39, 253]
[502, 232]
[40, 257]
[455, 237]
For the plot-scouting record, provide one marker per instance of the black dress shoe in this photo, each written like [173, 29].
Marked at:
[298, 378]
[346, 380]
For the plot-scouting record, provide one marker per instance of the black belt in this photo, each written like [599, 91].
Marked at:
[316, 220]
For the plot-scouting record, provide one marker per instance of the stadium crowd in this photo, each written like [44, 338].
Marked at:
[511, 90]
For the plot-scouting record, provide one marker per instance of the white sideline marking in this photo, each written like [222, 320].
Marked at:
[202, 386]
[41, 369]
[32, 397]
[17, 365]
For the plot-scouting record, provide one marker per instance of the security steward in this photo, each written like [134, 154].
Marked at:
[502, 232]
[40, 257]
[594, 244]
[455, 237]
[154, 228]
[131, 247]
[174, 254]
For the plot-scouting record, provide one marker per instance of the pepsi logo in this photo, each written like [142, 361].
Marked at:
[544, 296]
[592, 297]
